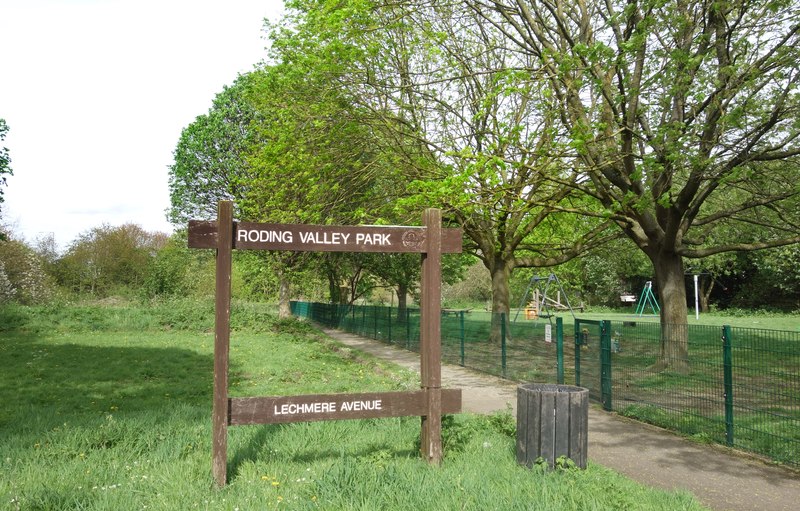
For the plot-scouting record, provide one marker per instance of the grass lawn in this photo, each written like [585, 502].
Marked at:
[109, 408]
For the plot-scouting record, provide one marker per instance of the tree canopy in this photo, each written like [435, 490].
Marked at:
[682, 117]
[475, 134]
[286, 148]
[543, 129]
[107, 259]
[5, 162]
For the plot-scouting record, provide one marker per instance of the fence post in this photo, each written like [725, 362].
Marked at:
[461, 321]
[578, 341]
[727, 365]
[605, 364]
[560, 350]
[503, 342]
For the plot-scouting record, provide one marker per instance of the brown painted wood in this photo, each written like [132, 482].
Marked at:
[202, 234]
[219, 421]
[321, 407]
[430, 338]
[323, 238]
[429, 403]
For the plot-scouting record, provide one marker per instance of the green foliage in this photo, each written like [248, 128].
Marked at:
[177, 271]
[771, 280]
[179, 314]
[107, 259]
[211, 157]
[459, 432]
[286, 146]
[470, 131]
[690, 150]
[474, 287]
[5, 164]
[255, 276]
[7, 290]
[565, 463]
[23, 278]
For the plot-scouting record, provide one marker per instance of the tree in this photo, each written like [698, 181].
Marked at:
[475, 134]
[769, 279]
[106, 259]
[211, 157]
[169, 271]
[286, 148]
[603, 275]
[22, 275]
[317, 163]
[5, 164]
[670, 108]
[7, 290]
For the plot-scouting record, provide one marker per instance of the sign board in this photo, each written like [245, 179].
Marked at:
[429, 403]
[323, 238]
[321, 407]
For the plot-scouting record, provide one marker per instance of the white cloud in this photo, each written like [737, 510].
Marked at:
[96, 93]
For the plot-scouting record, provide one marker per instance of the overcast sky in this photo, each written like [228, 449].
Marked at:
[96, 92]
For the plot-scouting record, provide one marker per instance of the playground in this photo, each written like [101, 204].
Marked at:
[545, 297]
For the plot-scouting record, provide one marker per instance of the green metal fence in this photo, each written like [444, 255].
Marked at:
[737, 386]
[517, 351]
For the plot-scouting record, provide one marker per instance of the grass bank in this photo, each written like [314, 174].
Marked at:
[109, 408]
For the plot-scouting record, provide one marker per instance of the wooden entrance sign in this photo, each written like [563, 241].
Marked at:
[429, 403]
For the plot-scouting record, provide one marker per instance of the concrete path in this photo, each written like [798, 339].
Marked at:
[720, 478]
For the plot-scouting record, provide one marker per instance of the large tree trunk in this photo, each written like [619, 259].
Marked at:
[672, 295]
[334, 291]
[284, 310]
[402, 301]
[500, 271]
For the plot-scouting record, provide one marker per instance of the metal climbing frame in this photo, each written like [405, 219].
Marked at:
[543, 302]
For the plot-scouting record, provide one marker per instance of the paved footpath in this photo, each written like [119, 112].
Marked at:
[720, 478]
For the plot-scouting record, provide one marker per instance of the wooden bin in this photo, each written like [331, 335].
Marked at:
[552, 421]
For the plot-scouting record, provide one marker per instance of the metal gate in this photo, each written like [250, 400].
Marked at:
[593, 358]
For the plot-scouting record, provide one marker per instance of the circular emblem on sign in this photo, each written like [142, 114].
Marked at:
[413, 239]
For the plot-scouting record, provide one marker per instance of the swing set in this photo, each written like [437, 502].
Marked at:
[541, 304]
[647, 298]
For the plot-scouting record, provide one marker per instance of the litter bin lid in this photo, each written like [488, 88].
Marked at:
[551, 387]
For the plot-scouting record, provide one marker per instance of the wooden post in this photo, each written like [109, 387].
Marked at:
[222, 311]
[430, 337]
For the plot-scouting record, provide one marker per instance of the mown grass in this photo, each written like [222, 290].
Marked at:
[109, 408]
